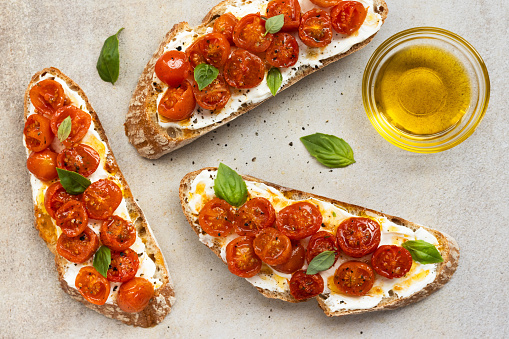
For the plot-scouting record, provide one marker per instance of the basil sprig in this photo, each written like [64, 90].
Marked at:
[274, 80]
[64, 129]
[73, 183]
[423, 252]
[274, 24]
[230, 186]
[329, 150]
[204, 75]
[102, 260]
[321, 262]
[109, 62]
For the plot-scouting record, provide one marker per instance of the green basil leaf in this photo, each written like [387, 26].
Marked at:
[321, 262]
[204, 74]
[329, 150]
[102, 260]
[64, 129]
[108, 63]
[230, 186]
[423, 251]
[274, 80]
[73, 183]
[274, 24]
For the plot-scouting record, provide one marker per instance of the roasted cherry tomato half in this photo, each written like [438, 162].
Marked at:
[295, 262]
[225, 25]
[284, 51]
[325, 3]
[72, 218]
[290, 9]
[241, 257]
[320, 242]
[358, 236]
[80, 123]
[348, 16]
[249, 33]
[299, 220]
[255, 215]
[81, 159]
[391, 261]
[216, 218]
[172, 67]
[92, 285]
[305, 286]
[117, 233]
[47, 96]
[244, 69]
[212, 48]
[102, 198]
[315, 28]
[272, 246]
[43, 164]
[354, 278]
[134, 295]
[123, 266]
[38, 134]
[78, 249]
[214, 96]
[56, 196]
[178, 103]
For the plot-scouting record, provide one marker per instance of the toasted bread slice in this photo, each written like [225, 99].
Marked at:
[160, 305]
[142, 122]
[389, 300]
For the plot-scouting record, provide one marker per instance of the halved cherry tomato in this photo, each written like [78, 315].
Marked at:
[81, 158]
[78, 249]
[178, 103]
[255, 215]
[391, 261]
[102, 198]
[172, 67]
[134, 295]
[56, 196]
[305, 286]
[295, 262]
[348, 16]
[241, 257]
[315, 28]
[358, 236]
[43, 164]
[249, 33]
[123, 266]
[284, 51]
[225, 25]
[299, 220]
[290, 9]
[354, 278]
[92, 285]
[47, 96]
[117, 233]
[244, 69]
[37, 131]
[216, 218]
[272, 246]
[214, 96]
[320, 242]
[80, 123]
[325, 3]
[72, 218]
[212, 48]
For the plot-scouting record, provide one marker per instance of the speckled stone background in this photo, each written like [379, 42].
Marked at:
[463, 191]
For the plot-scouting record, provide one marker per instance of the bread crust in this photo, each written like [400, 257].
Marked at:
[164, 297]
[448, 247]
[141, 127]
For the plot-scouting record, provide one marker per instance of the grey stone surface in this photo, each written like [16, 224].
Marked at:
[463, 191]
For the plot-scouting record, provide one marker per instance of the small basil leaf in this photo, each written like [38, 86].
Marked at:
[230, 186]
[274, 24]
[423, 251]
[329, 150]
[73, 183]
[274, 80]
[64, 129]
[321, 262]
[102, 260]
[109, 62]
[204, 75]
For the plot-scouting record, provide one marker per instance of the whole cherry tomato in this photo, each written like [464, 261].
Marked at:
[37, 131]
[212, 48]
[305, 286]
[81, 159]
[315, 28]
[325, 3]
[295, 262]
[102, 198]
[348, 16]
[47, 96]
[216, 218]
[134, 295]
[255, 215]
[56, 196]
[80, 123]
[43, 164]
[358, 236]
[391, 261]
[291, 11]
[214, 96]
[284, 51]
[225, 25]
[249, 34]
[92, 285]
[172, 68]
[78, 249]
[320, 242]
[241, 257]
[299, 220]
[123, 266]
[117, 233]
[354, 278]
[272, 246]
[178, 103]
[72, 218]
[244, 69]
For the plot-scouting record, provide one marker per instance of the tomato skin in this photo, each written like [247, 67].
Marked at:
[225, 25]
[305, 286]
[117, 233]
[47, 96]
[80, 121]
[212, 48]
[348, 16]
[92, 285]
[216, 218]
[214, 96]
[284, 51]
[172, 67]
[391, 261]
[244, 69]
[325, 3]
[177, 103]
[315, 29]
[134, 295]
[37, 132]
[299, 220]
[358, 236]
[123, 266]
[56, 196]
[72, 218]
[249, 34]
[254, 216]
[81, 159]
[320, 242]
[43, 164]
[291, 11]
[241, 257]
[272, 246]
[78, 249]
[102, 198]
[295, 262]
[354, 278]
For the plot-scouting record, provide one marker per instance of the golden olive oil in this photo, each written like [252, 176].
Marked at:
[423, 90]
